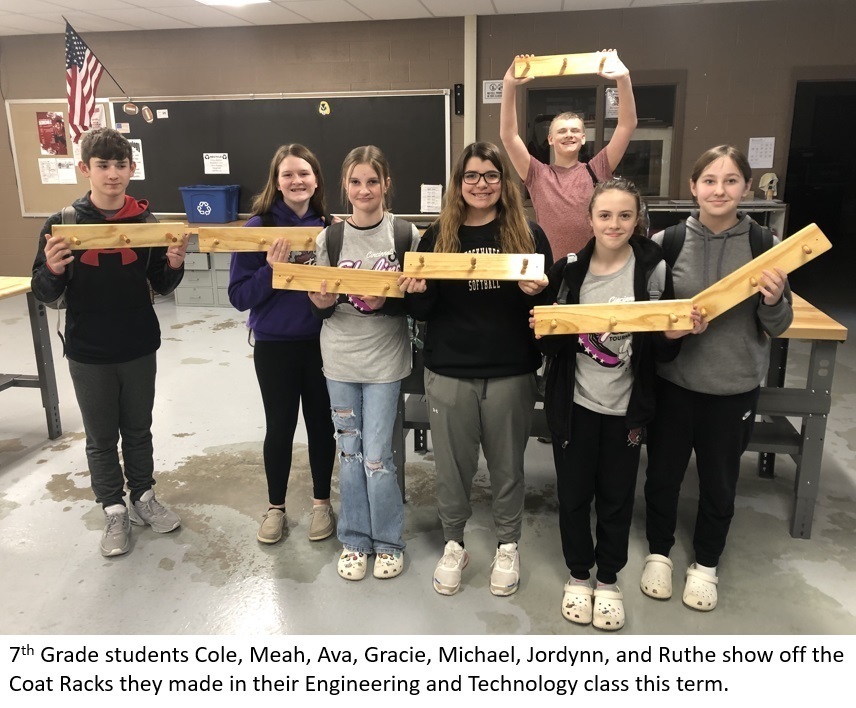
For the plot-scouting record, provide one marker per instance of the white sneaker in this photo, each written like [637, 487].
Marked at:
[447, 574]
[505, 577]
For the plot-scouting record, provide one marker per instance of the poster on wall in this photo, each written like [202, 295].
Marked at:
[137, 158]
[51, 127]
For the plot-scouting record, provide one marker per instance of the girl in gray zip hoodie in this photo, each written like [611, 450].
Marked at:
[707, 396]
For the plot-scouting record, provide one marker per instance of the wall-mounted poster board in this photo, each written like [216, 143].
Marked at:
[45, 164]
[220, 140]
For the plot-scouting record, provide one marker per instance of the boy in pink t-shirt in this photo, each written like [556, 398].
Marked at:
[561, 191]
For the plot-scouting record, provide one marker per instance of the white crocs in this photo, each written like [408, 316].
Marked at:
[700, 590]
[608, 609]
[576, 603]
[657, 577]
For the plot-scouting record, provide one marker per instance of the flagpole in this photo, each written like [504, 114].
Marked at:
[106, 70]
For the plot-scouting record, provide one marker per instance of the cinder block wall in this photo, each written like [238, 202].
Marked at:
[741, 62]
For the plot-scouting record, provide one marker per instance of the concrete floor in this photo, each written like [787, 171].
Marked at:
[213, 577]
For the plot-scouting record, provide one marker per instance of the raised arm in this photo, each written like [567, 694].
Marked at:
[508, 131]
[615, 69]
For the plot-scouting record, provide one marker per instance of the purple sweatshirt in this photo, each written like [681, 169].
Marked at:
[275, 315]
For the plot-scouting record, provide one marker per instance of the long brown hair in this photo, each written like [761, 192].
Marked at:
[514, 233]
[263, 202]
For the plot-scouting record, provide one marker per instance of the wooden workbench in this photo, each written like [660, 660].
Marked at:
[46, 377]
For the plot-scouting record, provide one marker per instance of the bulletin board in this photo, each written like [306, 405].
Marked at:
[36, 156]
[411, 127]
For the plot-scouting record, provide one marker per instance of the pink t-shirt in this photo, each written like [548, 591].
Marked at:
[561, 198]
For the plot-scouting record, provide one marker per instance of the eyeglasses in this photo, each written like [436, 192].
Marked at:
[492, 177]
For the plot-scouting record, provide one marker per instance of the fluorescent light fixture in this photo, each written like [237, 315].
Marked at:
[232, 3]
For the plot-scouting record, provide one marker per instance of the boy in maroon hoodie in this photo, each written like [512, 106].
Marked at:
[111, 336]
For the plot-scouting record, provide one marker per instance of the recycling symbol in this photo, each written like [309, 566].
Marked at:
[203, 208]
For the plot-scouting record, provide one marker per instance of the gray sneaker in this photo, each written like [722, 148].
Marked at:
[116, 538]
[148, 510]
[322, 522]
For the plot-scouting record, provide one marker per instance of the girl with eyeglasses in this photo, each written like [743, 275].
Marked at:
[480, 361]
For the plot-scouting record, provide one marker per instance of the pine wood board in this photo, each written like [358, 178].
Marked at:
[560, 64]
[11, 285]
[224, 239]
[795, 251]
[654, 316]
[85, 236]
[811, 323]
[351, 281]
[474, 266]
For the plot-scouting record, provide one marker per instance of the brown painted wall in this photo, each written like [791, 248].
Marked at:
[741, 61]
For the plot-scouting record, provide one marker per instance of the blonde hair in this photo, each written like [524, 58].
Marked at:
[514, 233]
[373, 157]
[263, 202]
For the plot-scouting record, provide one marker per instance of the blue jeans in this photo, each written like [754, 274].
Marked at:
[371, 518]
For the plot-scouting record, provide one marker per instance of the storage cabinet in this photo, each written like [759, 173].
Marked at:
[206, 278]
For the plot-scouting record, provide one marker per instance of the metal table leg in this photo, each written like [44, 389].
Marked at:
[806, 484]
[44, 363]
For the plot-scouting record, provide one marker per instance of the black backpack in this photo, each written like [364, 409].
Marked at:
[69, 216]
[760, 240]
[402, 236]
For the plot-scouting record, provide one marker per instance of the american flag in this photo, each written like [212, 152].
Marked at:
[82, 73]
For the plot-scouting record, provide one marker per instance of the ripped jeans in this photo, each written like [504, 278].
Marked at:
[371, 518]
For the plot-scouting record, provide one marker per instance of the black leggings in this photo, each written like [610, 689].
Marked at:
[718, 428]
[598, 464]
[289, 374]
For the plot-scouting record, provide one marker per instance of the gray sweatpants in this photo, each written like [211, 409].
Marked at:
[117, 399]
[496, 413]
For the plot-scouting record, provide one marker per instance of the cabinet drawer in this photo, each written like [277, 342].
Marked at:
[196, 261]
[221, 260]
[221, 278]
[194, 296]
[223, 297]
[196, 279]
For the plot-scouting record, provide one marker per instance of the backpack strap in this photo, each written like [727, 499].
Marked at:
[594, 179]
[760, 239]
[335, 236]
[657, 281]
[673, 242]
[267, 219]
[402, 233]
[69, 215]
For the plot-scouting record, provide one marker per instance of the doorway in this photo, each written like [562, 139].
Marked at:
[821, 188]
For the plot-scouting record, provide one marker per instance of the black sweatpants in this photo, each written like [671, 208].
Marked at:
[599, 463]
[290, 373]
[718, 428]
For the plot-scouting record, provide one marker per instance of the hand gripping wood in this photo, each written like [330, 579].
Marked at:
[797, 250]
[561, 64]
